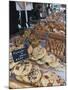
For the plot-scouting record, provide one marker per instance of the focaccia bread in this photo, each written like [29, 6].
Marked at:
[23, 68]
[38, 53]
[51, 79]
[33, 76]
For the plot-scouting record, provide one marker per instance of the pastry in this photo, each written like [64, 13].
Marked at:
[30, 50]
[23, 68]
[38, 53]
[56, 83]
[49, 59]
[18, 41]
[60, 67]
[19, 78]
[51, 79]
[54, 64]
[18, 70]
[33, 76]
[35, 43]
[42, 60]
[38, 84]
[52, 56]
[27, 33]
[44, 81]
[27, 68]
[12, 64]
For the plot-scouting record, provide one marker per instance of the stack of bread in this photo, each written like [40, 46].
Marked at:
[30, 75]
[56, 16]
[41, 57]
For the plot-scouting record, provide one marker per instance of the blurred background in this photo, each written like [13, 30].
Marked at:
[24, 15]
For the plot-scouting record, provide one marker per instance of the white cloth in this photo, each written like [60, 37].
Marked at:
[21, 6]
[29, 6]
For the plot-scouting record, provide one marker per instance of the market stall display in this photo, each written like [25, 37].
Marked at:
[45, 46]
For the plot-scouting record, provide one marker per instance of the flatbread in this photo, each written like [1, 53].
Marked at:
[38, 53]
[24, 68]
[12, 64]
[19, 78]
[54, 79]
[17, 69]
[44, 81]
[33, 76]
[54, 64]
[42, 60]
[27, 68]
[53, 57]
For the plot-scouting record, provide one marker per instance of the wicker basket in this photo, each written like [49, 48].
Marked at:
[56, 45]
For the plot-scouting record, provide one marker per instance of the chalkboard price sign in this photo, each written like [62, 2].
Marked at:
[20, 54]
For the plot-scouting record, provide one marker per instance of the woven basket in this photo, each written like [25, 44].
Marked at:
[56, 45]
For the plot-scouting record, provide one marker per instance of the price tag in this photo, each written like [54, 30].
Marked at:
[20, 54]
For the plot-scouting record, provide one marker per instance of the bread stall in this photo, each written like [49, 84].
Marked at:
[37, 56]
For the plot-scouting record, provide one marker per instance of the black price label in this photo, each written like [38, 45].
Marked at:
[20, 54]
